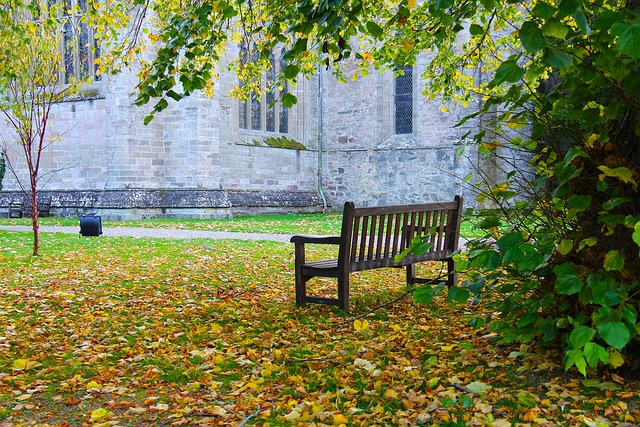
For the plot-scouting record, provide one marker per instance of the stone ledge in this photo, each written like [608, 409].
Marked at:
[134, 203]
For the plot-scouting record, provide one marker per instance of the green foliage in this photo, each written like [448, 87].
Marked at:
[569, 247]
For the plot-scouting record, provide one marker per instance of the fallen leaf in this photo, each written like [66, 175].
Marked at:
[100, 414]
[340, 419]
[361, 325]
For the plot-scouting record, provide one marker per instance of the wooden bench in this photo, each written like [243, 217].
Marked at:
[20, 208]
[371, 237]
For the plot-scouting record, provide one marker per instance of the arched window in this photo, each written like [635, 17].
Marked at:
[78, 44]
[274, 117]
[404, 100]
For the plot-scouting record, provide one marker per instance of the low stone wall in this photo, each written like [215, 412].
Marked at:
[148, 203]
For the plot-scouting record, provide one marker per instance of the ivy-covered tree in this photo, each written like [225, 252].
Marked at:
[558, 80]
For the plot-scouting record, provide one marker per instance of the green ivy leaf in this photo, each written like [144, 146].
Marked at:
[289, 100]
[531, 37]
[565, 246]
[527, 399]
[576, 357]
[374, 29]
[487, 259]
[613, 261]
[424, 295]
[476, 30]
[543, 10]
[556, 58]
[580, 336]
[567, 280]
[555, 28]
[509, 72]
[628, 38]
[594, 352]
[615, 202]
[615, 334]
[443, 4]
[636, 233]
[457, 294]
[291, 71]
[581, 20]
[623, 174]
[604, 290]
[578, 202]
[510, 241]
[528, 319]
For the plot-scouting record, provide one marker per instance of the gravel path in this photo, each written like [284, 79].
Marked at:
[161, 233]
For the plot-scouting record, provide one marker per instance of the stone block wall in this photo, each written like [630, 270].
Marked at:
[194, 160]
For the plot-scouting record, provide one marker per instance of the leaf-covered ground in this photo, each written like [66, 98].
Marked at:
[144, 332]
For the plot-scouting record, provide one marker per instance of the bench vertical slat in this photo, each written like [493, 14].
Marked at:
[354, 239]
[372, 237]
[397, 221]
[388, 250]
[441, 229]
[412, 228]
[433, 230]
[427, 225]
[380, 250]
[420, 224]
[403, 232]
[363, 238]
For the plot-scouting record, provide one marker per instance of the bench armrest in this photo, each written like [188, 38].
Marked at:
[326, 240]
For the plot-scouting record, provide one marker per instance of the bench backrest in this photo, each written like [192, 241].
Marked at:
[373, 236]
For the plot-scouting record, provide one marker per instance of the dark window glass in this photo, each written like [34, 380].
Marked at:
[284, 111]
[69, 63]
[270, 95]
[404, 101]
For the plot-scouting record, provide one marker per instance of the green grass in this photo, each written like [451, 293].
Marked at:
[314, 224]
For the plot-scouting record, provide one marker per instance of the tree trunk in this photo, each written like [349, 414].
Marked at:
[34, 216]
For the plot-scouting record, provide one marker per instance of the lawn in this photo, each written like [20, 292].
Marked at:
[114, 331]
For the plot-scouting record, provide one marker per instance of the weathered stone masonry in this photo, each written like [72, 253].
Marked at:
[193, 160]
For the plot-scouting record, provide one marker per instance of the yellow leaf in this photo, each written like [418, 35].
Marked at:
[294, 414]
[390, 394]
[361, 325]
[23, 397]
[411, 4]
[20, 364]
[406, 45]
[446, 348]
[215, 328]
[92, 385]
[100, 414]
[340, 419]
[615, 358]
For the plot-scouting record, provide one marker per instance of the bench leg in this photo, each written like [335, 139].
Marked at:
[411, 274]
[452, 276]
[301, 281]
[301, 286]
[343, 291]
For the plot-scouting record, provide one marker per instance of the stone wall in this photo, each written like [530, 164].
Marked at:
[195, 151]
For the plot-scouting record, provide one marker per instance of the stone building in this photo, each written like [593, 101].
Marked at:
[374, 141]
